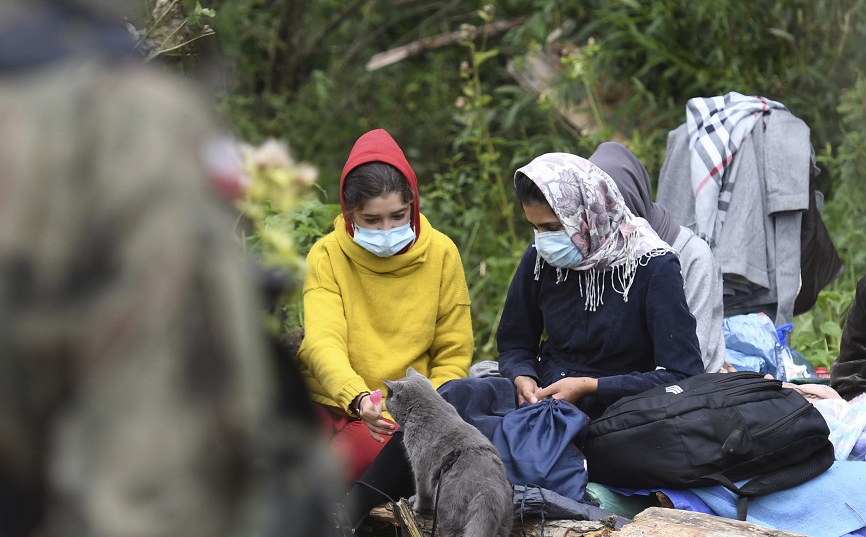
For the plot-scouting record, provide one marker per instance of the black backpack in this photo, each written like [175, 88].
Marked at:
[713, 428]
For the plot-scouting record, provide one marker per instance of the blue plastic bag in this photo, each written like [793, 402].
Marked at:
[539, 443]
[752, 344]
[746, 362]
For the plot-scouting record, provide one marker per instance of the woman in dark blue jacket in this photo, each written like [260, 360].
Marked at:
[596, 310]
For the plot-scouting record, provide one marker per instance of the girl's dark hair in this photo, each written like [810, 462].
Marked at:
[527, 191]
[372, 180]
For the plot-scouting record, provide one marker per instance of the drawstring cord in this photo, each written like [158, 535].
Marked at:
[523, 507]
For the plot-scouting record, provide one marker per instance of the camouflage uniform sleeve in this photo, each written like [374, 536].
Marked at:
[129, 312]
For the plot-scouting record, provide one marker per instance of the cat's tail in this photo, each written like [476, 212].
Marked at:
[489, 514]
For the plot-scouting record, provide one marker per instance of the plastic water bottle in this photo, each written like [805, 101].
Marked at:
[796, 365]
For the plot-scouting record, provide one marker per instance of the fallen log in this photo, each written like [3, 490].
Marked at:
[531, 526]
[658, 521]
[651, 522]
[536, 73]
[466, 33]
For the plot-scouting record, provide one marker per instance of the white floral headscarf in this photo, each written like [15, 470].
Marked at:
[595, 216]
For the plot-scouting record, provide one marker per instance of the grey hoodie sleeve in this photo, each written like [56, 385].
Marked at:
[703, 287]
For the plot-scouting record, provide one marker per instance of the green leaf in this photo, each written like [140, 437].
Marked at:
[831, 329]
[481, 57]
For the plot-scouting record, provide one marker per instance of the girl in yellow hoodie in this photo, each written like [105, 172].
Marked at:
[383, 291]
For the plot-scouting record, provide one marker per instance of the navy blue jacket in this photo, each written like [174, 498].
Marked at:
[629, 346]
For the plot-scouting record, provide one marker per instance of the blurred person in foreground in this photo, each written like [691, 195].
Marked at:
[137, 387]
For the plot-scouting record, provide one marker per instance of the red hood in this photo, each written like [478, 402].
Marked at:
[378, 146]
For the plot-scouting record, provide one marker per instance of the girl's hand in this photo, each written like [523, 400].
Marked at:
[527, 390]
[570, 388]
[371, 415]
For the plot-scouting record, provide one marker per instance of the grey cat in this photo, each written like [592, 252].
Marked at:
[474, 494]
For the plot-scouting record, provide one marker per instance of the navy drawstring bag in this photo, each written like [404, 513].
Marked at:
[539, 443]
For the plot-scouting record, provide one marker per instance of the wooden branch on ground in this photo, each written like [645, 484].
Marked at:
[658, 521]
[532, 526]
[651, 522]
[466, 33]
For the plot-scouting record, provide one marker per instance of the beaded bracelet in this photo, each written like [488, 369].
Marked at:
[361, 397]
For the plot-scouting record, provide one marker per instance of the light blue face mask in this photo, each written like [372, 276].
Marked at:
[384, 243]
[557, 249]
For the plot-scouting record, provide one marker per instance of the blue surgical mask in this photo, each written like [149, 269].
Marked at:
[384, 243]
[557, 249]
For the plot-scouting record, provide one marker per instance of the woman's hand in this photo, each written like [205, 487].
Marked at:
[526, 390]
[371, 415]
[570, 388]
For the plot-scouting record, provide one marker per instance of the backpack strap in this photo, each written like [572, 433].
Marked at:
[780, 479]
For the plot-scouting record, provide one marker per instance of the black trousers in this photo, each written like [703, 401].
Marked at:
[388, 478]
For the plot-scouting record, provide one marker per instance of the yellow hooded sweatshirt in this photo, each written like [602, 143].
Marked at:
[368, 318]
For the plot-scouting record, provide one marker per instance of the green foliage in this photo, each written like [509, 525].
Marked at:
[296, 71]
[273, 187]
[472, 205]
[641, 61]
[817, 333]
[473, 202]
[173, 31]
[636, 65]
[309, 221]
[280, 220]
[848, 205]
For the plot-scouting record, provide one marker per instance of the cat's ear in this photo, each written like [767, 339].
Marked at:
[390, 384]
[412, 373]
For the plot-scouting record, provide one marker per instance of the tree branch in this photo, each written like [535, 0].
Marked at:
[466, 33]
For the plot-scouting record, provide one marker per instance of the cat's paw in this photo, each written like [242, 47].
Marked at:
[418, 505]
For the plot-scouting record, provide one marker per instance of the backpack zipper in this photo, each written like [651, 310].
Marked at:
[751, 388]
[766, 431]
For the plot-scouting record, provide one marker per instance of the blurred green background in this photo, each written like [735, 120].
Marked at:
[473, 90]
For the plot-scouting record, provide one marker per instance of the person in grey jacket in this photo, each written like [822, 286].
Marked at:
[701, 273]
